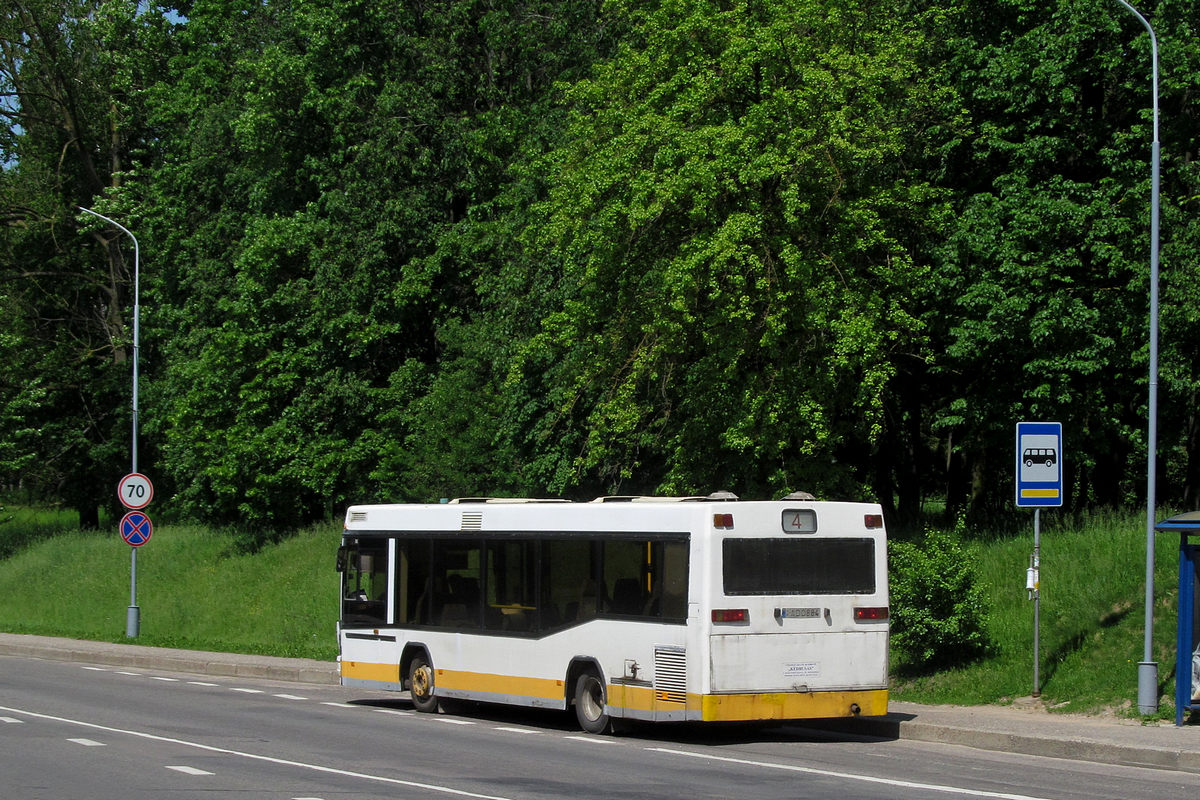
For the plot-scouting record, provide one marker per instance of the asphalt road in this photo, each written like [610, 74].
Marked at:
[70, 730]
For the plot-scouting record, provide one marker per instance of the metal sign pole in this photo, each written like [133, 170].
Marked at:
[1037, 600]
[1147, 691]
[1039, 474]
[133, 613]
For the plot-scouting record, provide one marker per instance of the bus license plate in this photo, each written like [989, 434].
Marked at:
[797, 613]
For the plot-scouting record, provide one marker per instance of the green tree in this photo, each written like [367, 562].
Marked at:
[71, 76]
[1043, 282]
[326, 151]
[718, 274]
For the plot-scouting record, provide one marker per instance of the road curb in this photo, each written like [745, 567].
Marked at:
[1074, 748]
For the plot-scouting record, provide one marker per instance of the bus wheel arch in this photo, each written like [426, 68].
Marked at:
[588, 693]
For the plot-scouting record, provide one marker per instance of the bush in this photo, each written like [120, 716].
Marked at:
[937, 607]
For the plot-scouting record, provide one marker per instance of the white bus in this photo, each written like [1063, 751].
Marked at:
[698, 608]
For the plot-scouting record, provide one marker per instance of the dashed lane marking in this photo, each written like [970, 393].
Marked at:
[849, 776]
[189, 770]
[432, 787]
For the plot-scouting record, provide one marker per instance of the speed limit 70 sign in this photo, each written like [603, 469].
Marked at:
[135, 491]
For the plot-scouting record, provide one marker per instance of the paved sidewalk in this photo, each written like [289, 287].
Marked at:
[1003, 728]
[297, 670]
[1034, 731]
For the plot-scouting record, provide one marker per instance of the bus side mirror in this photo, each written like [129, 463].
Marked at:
[343, 558]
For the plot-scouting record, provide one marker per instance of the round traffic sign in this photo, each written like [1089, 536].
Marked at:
[135, 491]
[136, 528]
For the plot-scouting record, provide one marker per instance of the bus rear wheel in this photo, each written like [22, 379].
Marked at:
[591, 708]
[420, 685]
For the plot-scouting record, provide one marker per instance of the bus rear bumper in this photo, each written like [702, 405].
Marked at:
[793, 705]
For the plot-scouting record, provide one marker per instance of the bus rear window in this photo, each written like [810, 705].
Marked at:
[798, 566]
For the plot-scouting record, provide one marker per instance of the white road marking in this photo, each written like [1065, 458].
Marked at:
[395, 712]
[12, 721]
[930, 787]
[96, 669]
[256, 756]
[247, 691]
[592, 739]
[87, 742]
[167, 680]
[134, 674]
[190, 770]
[454, 721]
[517, 730]
[338, 705]
[289, 697]
[202, 683]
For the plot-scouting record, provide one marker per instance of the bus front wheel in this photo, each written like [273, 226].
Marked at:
[590, 707]
[420, 681]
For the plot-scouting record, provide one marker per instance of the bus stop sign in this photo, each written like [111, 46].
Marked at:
[1039, 465]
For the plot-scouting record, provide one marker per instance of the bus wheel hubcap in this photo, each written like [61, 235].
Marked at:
[420, 682]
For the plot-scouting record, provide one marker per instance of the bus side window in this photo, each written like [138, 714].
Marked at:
[457, 600]
[671, 580]
[566, 568]
[364, 582]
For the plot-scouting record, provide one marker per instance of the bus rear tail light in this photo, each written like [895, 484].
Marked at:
[731, 615]
[871, 614]
[873, 521]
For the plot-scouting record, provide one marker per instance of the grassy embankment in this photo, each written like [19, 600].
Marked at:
[196, 591]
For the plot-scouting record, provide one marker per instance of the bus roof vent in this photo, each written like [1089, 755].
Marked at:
[722, 495]
[643, 498]
[799, 496]
[472, 521]
[501, 500]
[358, 516]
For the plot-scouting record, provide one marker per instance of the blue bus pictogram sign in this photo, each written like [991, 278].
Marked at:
[136, 528]
[1039, 464]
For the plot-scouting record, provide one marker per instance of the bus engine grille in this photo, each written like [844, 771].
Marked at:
[670, 675]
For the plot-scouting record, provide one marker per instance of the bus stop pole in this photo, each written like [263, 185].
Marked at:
[1037, 600]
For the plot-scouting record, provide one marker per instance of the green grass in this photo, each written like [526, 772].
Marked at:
[196, 590]
[1092, 619]
[193, 588]
[21, 525]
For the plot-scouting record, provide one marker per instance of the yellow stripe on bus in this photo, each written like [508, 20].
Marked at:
[713, 707]
[366, 671]
[792, 705]
[499, 684]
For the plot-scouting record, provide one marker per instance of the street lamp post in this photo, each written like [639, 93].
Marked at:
[133, 614]
[1147, 667]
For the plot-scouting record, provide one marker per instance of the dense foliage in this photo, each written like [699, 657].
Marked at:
[402, 252]
[938, 605]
